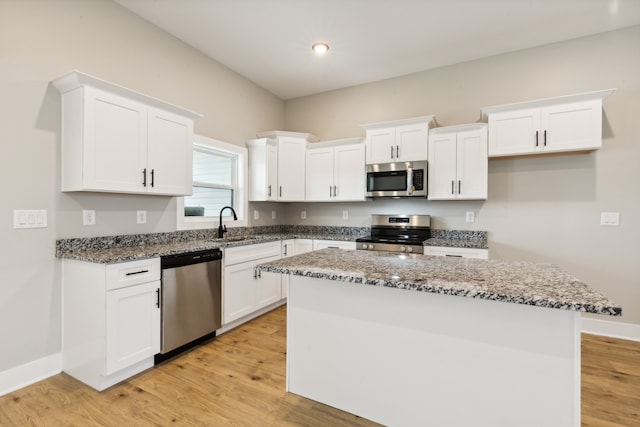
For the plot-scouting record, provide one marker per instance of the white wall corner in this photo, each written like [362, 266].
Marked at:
[627, 331]
[29, 373]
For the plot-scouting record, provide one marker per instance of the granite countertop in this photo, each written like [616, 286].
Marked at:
[115, 254]
[520, 282]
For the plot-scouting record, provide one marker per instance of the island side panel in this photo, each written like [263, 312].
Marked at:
[406, 358]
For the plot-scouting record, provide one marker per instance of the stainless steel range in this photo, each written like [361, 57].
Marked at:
[397, 233]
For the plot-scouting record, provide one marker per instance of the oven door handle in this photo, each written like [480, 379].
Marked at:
[409, 181]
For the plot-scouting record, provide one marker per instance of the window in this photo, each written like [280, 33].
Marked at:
[219, 180]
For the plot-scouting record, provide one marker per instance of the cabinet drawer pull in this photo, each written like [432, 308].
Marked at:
[454, 256]
[144, 177]
[137, 272]
[158, 297]
[152, 176]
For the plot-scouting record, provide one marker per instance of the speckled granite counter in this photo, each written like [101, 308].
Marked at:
[458, 239]
[111, 249]
[520, 282]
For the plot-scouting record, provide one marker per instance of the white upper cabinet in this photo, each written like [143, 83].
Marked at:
[263, 169]
[335, 171]
[117, 140]
[398, 141]
[458, 163]
[277, 166]
[568, 123]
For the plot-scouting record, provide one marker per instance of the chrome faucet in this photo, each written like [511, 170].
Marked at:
[223, 228]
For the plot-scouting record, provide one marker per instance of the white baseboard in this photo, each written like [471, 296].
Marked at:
[29, 373]
[627, 331]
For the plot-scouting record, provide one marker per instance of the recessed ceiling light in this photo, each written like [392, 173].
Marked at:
[320, 48]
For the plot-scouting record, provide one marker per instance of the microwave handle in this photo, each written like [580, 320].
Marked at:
[409, 181]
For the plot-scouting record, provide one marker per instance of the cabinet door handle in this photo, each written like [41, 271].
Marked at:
[454, 256]
[536, 138]
[330, 191]
[397, 152]
[152, 176]
[335, 191]
[459, 186]
[255, 273]
[285, 249]
[545, 138]
[158, 297]
[280, 195]
[392, 151]
[144, 177]
[453, 187]
[259, 274]
[269, 191]
[136, 272]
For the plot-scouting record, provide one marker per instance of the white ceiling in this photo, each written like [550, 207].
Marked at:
[269, 41]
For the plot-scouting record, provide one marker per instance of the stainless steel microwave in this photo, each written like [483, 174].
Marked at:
[405, 179]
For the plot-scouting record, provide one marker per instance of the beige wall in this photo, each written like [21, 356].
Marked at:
[39, 41]
[540, 209]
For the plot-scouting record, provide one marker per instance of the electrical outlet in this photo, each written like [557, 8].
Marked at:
[273, 214]
[88, 217]
[303, 214]
[471, 216]
[345, 214]
[141, 217]
[610, 218]
[256, 214]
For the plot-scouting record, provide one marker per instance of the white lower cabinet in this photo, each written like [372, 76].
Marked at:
[244, 289]
[111, 319]
[457, 252]
[291, 247]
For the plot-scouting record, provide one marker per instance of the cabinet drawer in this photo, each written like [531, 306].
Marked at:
[251, 252]
[130, 273]
[457, 252]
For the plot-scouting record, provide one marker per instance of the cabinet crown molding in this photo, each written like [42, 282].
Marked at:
[567, 99]
[77, 79]
[336, 142]
[278, 133]
[458, 128]
[431, 120]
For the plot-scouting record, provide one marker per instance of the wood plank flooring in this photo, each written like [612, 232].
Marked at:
[238, 379]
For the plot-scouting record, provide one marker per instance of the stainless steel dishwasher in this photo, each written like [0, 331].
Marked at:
[191, 300]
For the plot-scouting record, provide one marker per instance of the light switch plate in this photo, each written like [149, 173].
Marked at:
[471, 216]
[345, 214]
[303, 214]
[273, 214]
[610, 218]
[32, 218]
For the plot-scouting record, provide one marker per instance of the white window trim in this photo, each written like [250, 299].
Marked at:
[241, 204]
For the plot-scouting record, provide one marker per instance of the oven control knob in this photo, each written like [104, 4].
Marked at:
[409, 249]
[402, 248]
[365, 246]
[371, 246]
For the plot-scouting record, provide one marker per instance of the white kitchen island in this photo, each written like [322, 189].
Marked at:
[413, 340]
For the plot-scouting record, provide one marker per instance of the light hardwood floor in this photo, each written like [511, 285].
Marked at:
[238, 380]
